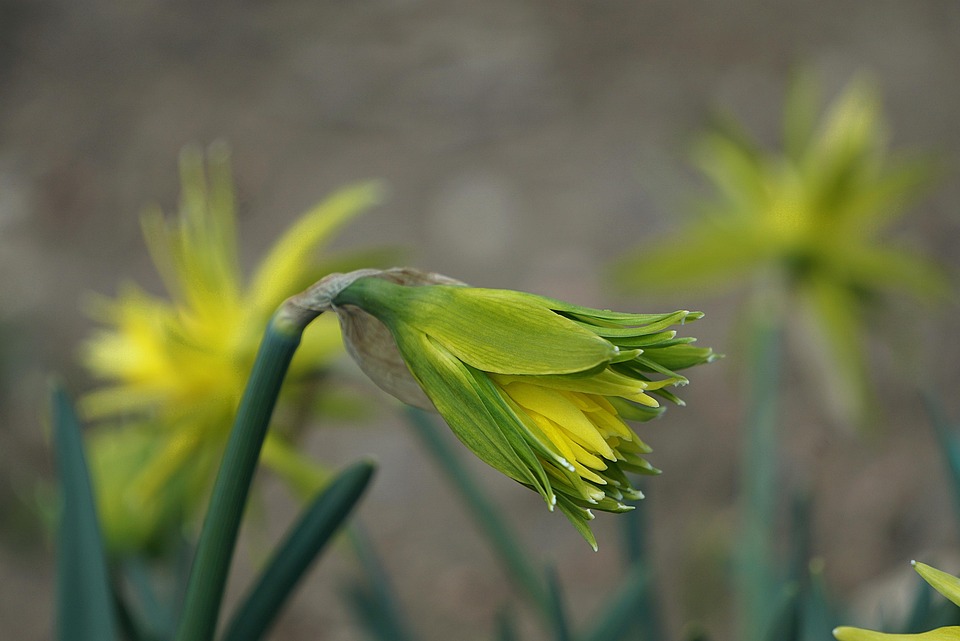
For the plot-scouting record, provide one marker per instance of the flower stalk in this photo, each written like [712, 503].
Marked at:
[222, 523]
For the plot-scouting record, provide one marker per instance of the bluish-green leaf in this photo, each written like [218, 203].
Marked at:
[297, 552]
[948, 439]
[503, 541]
[558, 610]
[85, 601]
[374, 603]
[506, 629]
[622, 610]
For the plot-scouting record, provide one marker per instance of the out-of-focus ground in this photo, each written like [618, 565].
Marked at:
[526, 144]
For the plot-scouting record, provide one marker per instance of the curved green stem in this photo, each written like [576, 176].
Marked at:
[211, 565]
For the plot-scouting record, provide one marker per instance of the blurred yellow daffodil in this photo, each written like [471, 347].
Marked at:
[810, 217]
[945, 584]
[173, 370]
[535, 387]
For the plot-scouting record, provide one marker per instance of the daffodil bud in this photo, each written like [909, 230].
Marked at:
[537, 388]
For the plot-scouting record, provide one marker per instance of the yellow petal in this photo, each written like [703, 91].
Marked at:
[561, 411]
[857, 634]
[946, 584]
[290, 256]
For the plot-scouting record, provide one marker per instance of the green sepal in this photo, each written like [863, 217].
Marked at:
[681, 356]
[453, 390]
[492, 330]
[633, 412]
[625, 330]
[579, 517]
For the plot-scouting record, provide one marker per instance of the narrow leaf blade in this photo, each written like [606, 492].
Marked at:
[85, 603]
[622, 612]
[505, 544]
[374, 603]
[297, 552]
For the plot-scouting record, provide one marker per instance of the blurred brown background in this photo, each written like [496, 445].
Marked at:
[526, 145]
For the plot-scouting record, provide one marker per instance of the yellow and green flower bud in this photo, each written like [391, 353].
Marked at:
[537, 388]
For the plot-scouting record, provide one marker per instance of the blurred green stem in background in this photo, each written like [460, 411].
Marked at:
[515, 560]
[647, 623]
[374, 600]
[756, 580]
[628, 612]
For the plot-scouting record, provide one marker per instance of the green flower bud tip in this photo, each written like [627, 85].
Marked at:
[537, 388]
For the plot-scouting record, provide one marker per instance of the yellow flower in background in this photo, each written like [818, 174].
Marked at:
[174, 369]
[812, 216]
[945, 584]
[537, 388]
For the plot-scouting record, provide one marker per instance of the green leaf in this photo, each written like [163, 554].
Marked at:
[374, 603]
[624, 607]
[500, 537]
[297, 552]
[949, 442]
[85, 600]
[785, 623]
[695, 633]
[636, 542]
[154, 618]
[558, 613]
[506, 629]
[817, 615]
[920, 610]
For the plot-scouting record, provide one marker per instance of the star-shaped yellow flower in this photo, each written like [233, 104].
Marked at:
[811, 218]
[173, 369]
